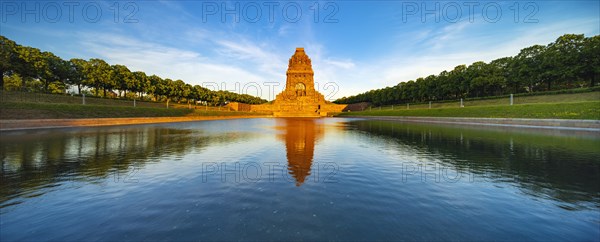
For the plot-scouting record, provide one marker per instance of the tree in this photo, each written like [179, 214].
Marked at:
[124, 79]
[100, 75]
[528, 66]
[485, 79]
[34, 65]
[154, 86]
[216, 99]
[140, 84]
[187, 93]
[457, 78]
[561, 61]
[590, 59]
[58, 71]
[13, 82]
[77, 73]
[503, 67]
[442, 86]
[177, 90]
[166, 87]
[9, 59]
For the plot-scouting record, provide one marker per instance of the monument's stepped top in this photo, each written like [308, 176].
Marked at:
[300, 63]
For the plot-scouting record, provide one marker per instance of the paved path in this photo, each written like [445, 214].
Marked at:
[6, 125]
[573, 124]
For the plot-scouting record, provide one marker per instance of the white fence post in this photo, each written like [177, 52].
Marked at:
[461, 103]
[429, 104]
[511, 99]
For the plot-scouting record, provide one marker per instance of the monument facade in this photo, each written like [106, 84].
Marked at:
[299, 98]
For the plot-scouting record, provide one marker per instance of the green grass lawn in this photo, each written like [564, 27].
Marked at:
[26, 110]
[555, 98]
[22, 110]
[567, 110]
[31, 97]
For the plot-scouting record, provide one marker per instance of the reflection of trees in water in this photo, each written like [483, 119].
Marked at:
[43, 159]
[300, 137]
[565, 168]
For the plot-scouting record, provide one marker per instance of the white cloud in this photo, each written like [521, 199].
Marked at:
[344, 64]
[268, 62]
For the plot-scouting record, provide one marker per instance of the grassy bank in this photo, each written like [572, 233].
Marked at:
[567, 110]
[18, 110]
[32, 97]
[24, 110]
[499, 101]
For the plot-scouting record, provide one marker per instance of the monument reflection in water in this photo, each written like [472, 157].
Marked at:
[300, 138]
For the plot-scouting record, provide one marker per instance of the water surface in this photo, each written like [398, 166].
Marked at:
[292, 179]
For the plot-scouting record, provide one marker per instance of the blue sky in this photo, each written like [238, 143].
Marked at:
[355, 45]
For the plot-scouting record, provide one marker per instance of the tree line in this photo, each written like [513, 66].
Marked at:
[29, 69]
[569, 62]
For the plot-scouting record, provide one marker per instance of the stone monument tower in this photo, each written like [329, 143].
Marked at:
[299, 98]
[300, 75]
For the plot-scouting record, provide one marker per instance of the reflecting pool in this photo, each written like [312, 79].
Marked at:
[299, 179]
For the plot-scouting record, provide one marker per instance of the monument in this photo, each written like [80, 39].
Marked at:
[299, 98]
